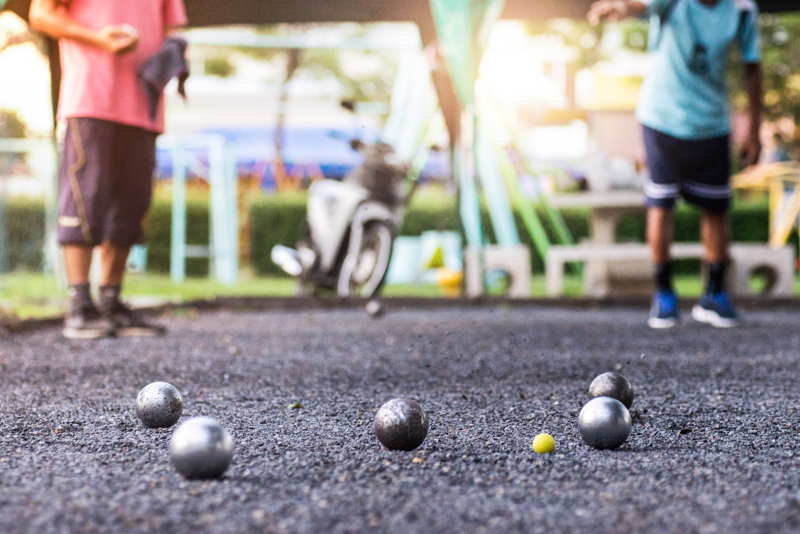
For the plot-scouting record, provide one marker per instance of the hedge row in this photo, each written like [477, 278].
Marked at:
[158, 232]
[280, 219]
[25, 229]
[24, 226]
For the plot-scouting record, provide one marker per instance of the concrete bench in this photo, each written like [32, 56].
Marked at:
[746, 260]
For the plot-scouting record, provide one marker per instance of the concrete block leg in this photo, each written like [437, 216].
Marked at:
[473, 272]
[516, 261]
[747, 260]
[554, 275]
[596, 276]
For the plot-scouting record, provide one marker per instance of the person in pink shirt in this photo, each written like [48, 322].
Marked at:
[108, 153]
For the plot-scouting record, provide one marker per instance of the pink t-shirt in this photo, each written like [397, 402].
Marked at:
[101, 85]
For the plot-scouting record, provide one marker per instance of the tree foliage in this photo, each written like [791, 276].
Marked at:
[12, 125]
[780, 39]
[579, 36]
[780, 44]
[358, 84]
[219, 65]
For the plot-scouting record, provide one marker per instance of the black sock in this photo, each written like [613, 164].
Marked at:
[664, 277]
[716, 278]
[109, 294]
[80, 296]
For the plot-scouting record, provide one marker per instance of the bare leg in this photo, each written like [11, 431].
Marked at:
[77, 261]
[113, 259]
[664, 313]
[714, 228]
[714, 307]
[659, 233]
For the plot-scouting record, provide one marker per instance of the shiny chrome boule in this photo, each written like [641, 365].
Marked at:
[159, 405]
[604, 423]
[201, 448]
[612, 385]
[374, 309]
[401, 424]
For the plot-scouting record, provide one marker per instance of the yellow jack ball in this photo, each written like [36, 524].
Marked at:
[543, 443]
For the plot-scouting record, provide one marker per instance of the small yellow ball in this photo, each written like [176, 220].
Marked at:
[543, 443]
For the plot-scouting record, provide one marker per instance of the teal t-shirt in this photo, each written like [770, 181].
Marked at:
[684, 93]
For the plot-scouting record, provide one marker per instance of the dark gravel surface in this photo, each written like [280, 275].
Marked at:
[714, 446]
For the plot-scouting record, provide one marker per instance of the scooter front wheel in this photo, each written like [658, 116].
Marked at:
[365, 268]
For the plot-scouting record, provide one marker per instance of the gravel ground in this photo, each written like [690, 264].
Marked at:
[713, 448]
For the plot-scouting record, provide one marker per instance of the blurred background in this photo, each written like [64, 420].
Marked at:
[288, 99]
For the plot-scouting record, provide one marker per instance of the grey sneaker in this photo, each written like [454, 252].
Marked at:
[128, 323]
[86, 323]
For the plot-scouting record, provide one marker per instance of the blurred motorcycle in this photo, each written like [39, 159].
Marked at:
[351, 226]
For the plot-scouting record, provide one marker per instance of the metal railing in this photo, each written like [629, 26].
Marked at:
[223, 248]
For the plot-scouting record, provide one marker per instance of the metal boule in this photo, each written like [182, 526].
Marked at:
[604, 423]
[159, 405]
[374, 309]
[201, 448]
[401, 424]
[612, 385]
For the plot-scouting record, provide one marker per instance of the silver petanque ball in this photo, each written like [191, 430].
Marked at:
[401, 424]
[612, 385]
[604, 423]
[159, 405]
[374, 309]
[201, 448]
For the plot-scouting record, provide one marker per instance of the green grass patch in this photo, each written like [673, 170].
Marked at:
[31, 295]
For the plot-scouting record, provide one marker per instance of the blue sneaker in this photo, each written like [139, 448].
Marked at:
[664, 312]
[716, 310]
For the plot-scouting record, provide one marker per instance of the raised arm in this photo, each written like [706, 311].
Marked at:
[751, 148]
[50, 17]
[615, 10]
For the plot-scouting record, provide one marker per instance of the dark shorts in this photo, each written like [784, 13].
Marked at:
[105, 182]
[697, 170]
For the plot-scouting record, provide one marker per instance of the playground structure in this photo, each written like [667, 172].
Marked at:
[223, 248]
[782, 182]
[484, 160]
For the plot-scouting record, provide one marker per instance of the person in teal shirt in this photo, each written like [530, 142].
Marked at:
[684, 111]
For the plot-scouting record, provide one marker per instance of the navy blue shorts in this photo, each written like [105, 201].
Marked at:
[698, 170]
[106, 177]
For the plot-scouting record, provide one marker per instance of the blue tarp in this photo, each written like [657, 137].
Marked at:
[308, 151]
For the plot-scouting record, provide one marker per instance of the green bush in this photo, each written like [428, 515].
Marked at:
[274, 219]
[24, 227]
[158, 235]
[279, 219]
